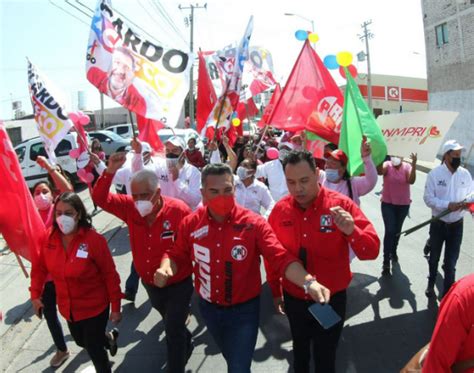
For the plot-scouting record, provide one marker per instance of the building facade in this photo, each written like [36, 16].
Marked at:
[449, 40]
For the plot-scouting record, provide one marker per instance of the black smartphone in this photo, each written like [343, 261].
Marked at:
[40, 313]
[324, 314]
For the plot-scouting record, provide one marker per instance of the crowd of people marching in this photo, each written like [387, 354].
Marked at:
[201, 222]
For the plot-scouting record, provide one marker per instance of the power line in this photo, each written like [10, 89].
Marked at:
[72, 15]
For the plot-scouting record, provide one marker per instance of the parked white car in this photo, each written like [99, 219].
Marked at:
[110, 141]
[123, 130]
[27, 152]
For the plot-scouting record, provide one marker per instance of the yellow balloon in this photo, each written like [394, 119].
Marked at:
[236, 122]
[344, 58]
[313, 38]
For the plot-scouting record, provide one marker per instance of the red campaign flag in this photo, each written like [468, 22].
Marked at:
[270, 107]
[148, 132]
[245, 109]
[311, 99]
[20, 222]
[206, 95]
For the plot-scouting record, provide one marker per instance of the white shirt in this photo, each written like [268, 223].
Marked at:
[273, 172]
[443, 187]
[187, 187]
[122, 177]
[253, 197]
[361, 185]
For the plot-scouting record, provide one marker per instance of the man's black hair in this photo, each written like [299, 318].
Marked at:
[215, 169]
[297, 156]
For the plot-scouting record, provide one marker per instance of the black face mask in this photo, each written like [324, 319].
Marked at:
[172, 156]
[455, 163]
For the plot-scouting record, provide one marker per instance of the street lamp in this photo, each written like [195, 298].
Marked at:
[302, 17]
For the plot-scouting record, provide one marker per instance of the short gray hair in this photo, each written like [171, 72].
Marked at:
[147, 176]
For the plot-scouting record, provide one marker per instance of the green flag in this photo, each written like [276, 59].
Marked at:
[357, 121]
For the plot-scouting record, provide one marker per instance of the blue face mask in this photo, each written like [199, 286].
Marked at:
[332, 175]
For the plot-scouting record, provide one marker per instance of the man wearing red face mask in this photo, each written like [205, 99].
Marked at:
[225, 242]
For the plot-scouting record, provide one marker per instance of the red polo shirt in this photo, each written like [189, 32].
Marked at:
[84, 274]
[327, 248]
[227, 255]
[453, 336]
[148, 242]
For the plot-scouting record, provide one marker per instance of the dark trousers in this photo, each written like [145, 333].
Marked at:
[451, 235]
[393, 218]
[234, 330]
[90, 335]
[51, 315]
[173, 304]
[305, 330]
[131, 285]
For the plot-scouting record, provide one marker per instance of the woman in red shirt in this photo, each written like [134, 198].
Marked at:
[44, 193]
[87, 283]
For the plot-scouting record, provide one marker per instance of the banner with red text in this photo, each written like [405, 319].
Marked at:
[420, 132]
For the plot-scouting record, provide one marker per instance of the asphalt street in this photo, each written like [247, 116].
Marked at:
[389, 318]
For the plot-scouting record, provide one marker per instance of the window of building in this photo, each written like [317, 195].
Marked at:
[441, 34]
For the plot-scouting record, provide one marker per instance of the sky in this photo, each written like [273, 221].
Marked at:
[53, 34]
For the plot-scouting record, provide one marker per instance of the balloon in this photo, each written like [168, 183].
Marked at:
[74, 117]
[344, 58]
[301, 35]
[236, 122]
[83, 160]
[330, 62]
[234, 115]
[75, 153]
[83, 119]
[352, 70]
[272, 153]
[313, 38]
[85, 176]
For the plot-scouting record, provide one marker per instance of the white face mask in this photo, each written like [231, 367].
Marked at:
[332, 175]
[395, 161]
[66, 223]
[43, 201]
[143, 207]
[243, 173]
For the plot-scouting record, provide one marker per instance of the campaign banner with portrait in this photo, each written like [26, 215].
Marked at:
[51, 117]
[420, 132]
[256, 77]
[148, 79]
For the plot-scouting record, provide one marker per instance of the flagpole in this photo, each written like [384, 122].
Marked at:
[221, 108]
[22, 266]
[131, 123]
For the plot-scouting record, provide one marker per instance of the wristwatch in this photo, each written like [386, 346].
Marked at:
[308, 283]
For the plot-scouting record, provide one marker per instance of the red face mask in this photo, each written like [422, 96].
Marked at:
[221, 205]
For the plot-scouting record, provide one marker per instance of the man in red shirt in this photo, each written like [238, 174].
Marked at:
[452, 342]
[317, 225]
[225, 241]
[153, 220]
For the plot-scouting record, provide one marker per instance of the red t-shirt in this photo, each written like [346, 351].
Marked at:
[148, 242]
[84, 274]
[227, 255]
[453, 336]
[327, 248]
[195, 158]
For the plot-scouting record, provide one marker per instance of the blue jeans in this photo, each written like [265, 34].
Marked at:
[393, 218]
[131, 285]
[451, 235]
[51, 315]
[234, 330]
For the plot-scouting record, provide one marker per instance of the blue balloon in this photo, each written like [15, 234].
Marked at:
[301, 35]
[330, 62]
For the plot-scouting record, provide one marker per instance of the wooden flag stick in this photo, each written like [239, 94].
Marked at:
[22, 266]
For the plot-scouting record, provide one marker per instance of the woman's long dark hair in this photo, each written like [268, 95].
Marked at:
[71, 198]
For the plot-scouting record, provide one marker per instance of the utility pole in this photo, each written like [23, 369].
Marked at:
[366, 36]
[191, 47]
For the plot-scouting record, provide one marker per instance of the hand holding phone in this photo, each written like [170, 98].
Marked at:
[324, 314]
